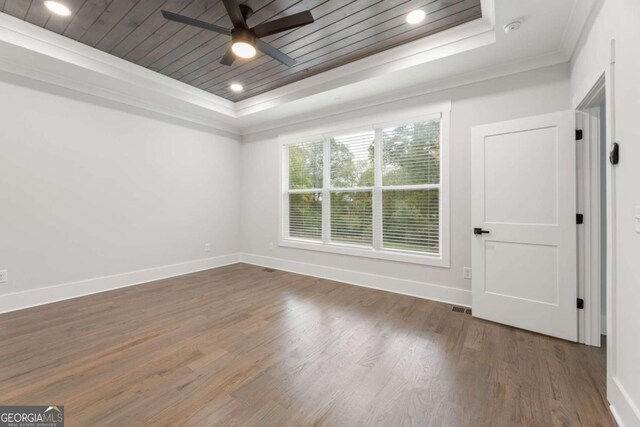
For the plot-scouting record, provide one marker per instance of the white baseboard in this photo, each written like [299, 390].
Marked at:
[624, 410]
[385, 283]
[49, 294]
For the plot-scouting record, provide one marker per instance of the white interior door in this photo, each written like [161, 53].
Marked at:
[524, 200]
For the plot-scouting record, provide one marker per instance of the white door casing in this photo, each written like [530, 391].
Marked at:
[524, 195]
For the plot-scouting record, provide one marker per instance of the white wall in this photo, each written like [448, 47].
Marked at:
[618, 20]
[90, 190]
[534, 92]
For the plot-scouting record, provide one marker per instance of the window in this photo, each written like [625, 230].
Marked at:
[374, 192]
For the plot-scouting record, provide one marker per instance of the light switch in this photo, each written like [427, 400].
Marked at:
[637, 219]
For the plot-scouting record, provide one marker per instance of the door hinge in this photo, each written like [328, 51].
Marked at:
[579, 219]
[578, 134]
[614, 154]
[580, 304]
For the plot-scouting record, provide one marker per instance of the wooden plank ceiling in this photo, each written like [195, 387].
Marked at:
[343, 31]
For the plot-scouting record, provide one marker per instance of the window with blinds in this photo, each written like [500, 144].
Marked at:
[377, 190]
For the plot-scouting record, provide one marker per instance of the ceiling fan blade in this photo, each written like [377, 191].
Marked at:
[283, 24]
[194, 22]
[267, 49]
[233, 9]
[228, 57]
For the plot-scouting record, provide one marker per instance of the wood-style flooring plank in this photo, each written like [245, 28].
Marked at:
[239, 346]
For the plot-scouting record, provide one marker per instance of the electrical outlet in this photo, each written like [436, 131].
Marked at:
[466, 272]
[637, 219]
[4, 276]
[271, 246]
[207, 247]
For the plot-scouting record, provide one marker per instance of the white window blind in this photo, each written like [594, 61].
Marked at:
[305, 177]
[352, 160]
[411, 220]
[411, 184]
[352, 177]
[352, 217]
[305, 215]
[377, 189]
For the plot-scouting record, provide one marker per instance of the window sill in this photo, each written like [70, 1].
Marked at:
[353, 250]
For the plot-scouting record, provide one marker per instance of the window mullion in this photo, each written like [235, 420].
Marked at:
[377, 190]
[284, 196]
[326, 191]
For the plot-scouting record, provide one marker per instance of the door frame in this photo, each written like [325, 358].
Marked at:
[614, 392]
[605, 85]
[589, 204]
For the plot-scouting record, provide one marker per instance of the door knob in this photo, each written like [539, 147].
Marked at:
[480, 231]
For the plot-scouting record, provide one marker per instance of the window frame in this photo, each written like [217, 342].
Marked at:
[439, 111]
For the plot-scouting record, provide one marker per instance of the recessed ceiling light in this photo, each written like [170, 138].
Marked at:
[416, 16]
[57, 8]
[243, 50]
[236, 87]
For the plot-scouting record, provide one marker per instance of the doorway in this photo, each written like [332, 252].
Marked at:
[592, 159]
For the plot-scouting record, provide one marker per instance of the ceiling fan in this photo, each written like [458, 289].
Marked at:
[245, 40]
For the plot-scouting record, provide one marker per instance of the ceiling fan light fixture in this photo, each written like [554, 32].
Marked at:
[416, 16]
[245, 40]
[243, 49]
[57, 8]
[243, 43]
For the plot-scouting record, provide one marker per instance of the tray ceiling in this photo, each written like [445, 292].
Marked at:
[343, 32]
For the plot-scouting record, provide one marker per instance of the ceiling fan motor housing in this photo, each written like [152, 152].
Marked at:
[247, 40]
[243, 35]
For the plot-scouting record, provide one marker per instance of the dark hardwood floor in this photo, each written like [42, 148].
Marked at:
[238, 346]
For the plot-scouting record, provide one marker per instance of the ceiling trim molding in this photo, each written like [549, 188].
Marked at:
[37, 39]
[471, 35]
[488, 12]
[575, 25]
[35, 53]
[28, 76]
[32, 52]
[496, 71]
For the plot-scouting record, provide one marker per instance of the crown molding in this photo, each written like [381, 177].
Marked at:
[468, 36]
[575, 25]
[30, 51]
[37, 39]
[463, 79]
